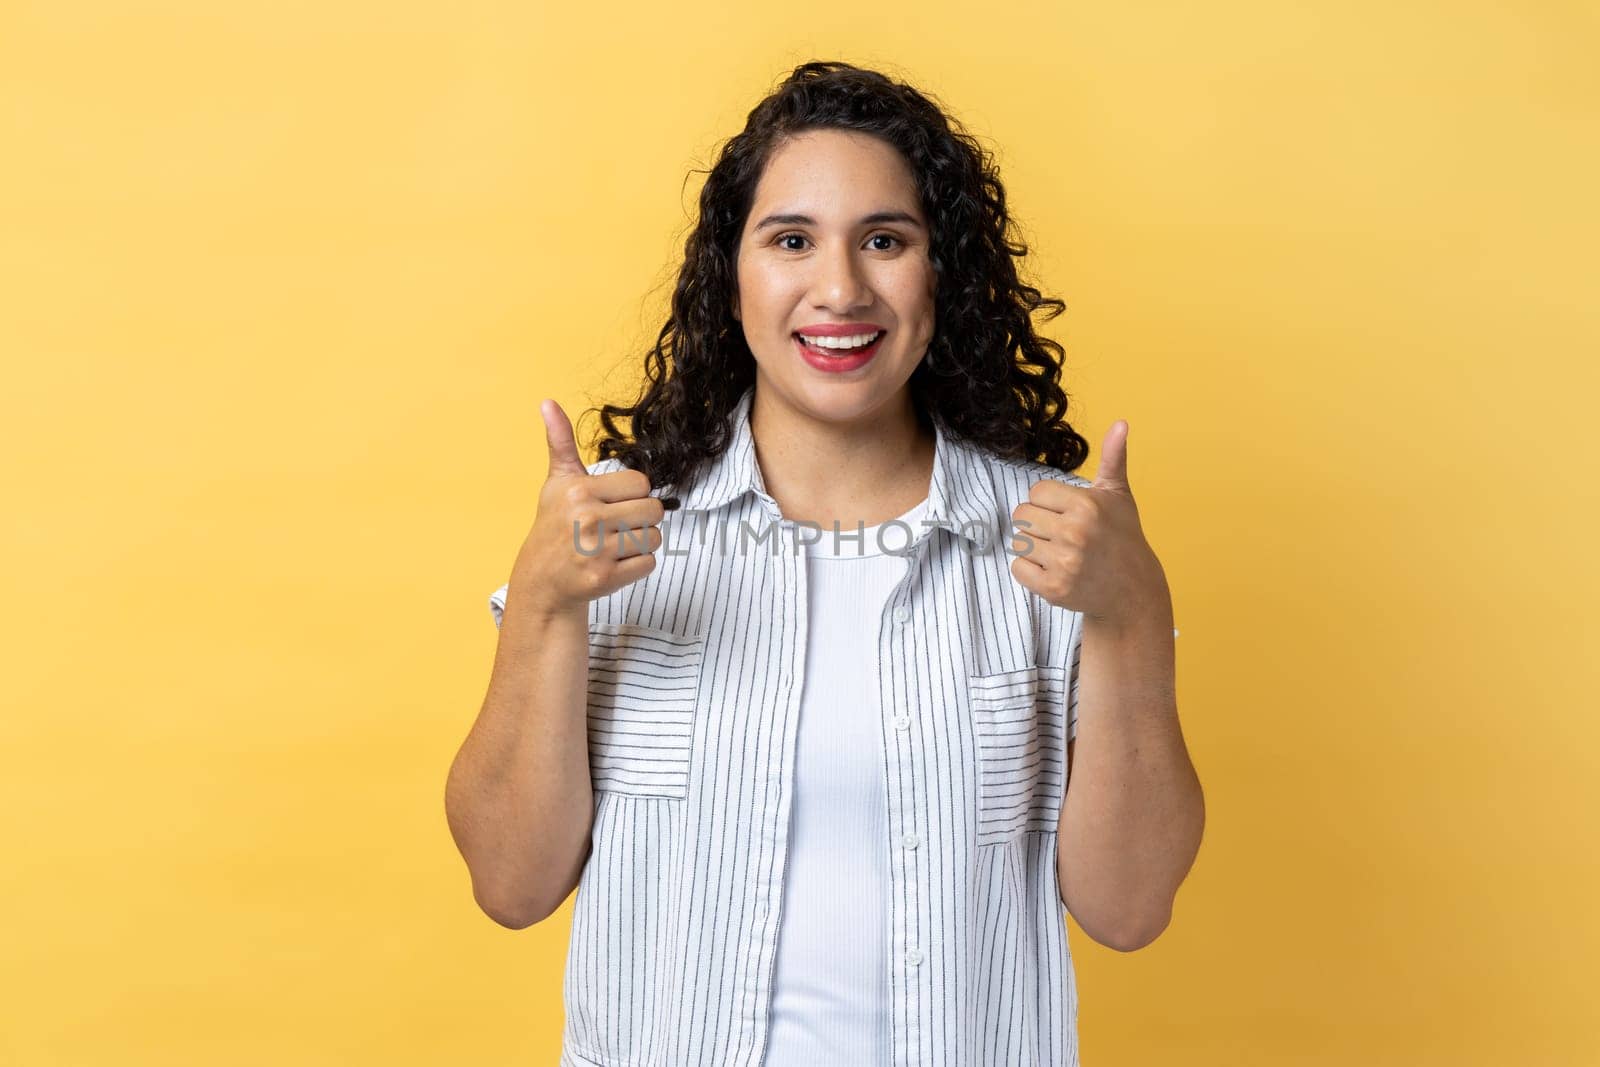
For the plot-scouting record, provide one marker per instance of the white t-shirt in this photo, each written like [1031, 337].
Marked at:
[830, 992]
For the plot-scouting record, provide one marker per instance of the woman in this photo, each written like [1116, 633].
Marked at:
[804, 749]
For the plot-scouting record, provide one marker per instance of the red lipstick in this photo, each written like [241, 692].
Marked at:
[838, 361]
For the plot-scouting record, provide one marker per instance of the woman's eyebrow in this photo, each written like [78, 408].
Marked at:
[873, 219]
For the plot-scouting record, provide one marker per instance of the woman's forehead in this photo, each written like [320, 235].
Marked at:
[835, 177]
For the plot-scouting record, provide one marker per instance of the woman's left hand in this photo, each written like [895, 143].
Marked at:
[1088, 552]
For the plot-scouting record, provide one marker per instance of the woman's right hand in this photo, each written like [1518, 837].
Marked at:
[563, 565]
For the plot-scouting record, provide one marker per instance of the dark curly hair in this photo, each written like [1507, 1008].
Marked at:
[987, 379]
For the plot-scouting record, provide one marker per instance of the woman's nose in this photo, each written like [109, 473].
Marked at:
[839, 284]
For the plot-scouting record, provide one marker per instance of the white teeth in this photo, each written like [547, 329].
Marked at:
[859, 341]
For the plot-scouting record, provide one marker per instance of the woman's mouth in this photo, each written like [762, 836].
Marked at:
[837, 360]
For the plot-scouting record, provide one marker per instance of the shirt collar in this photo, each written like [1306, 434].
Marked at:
[961, 494]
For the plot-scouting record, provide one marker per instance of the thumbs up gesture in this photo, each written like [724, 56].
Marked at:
[1088, 552]
[564, 563]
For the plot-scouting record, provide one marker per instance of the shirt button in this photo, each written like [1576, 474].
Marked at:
[902, 614]
[911, 840]
[914, 957]
[902, 722]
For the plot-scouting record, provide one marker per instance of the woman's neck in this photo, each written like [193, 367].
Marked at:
[868, 470]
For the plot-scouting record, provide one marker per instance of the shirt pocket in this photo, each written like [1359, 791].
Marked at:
[1019, 717]
[643, 686]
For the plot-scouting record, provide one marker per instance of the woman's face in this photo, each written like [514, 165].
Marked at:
[836, 238]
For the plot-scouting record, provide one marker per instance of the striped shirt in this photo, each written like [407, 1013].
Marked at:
[694, 691]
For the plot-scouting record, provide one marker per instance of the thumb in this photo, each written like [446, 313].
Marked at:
[1113, 470]
[564, 458]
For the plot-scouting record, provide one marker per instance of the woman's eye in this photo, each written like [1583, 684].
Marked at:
[801, 237]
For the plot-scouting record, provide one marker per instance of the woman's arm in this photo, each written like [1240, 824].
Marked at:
[519, 799]
[1133, 815]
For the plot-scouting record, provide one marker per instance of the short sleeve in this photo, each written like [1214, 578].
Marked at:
[1075, 648]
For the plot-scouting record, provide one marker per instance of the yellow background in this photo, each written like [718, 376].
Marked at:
[282, 286]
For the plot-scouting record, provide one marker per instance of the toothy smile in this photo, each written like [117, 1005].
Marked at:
[839, 344]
